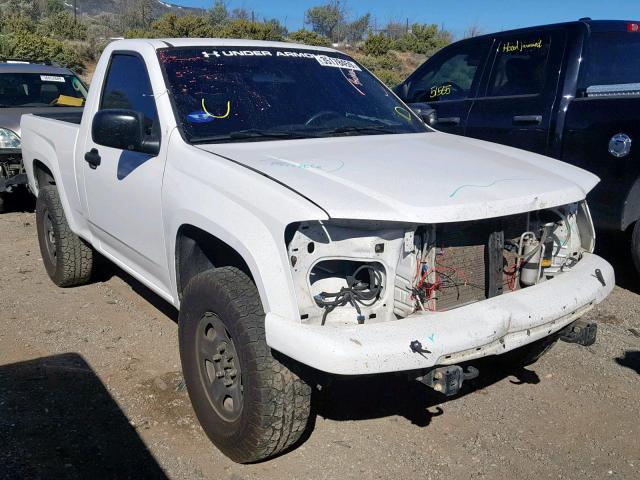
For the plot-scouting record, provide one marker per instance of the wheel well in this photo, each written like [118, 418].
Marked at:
[198, 251]
[42, 174]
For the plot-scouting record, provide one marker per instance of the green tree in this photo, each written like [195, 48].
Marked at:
[387, 67]
[172, 25]
[325, 19]
[241, 14]
[63, 26]
[270, 30]
[27, 8]
[308, 37]
[138, 33]
[378, 44]
[53, 6]
[33, 47]
[354, 31]
[17, 22]
[218, 13]
[423, 38]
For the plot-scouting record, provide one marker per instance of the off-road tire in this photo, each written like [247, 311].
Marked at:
[3, 202]
[276, 401]
[66, 257]
[528, 354]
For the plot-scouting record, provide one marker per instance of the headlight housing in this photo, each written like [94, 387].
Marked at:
[9, 139]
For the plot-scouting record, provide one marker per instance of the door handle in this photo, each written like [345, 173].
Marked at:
[528, 119]
[449, 121]
[92, 157]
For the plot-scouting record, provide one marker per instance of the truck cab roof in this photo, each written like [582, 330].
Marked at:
[592, 25]
[160, 43]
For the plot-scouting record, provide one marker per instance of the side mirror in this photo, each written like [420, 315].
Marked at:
[124, 130]
[425, 112]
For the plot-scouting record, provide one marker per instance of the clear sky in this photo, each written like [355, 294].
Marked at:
[455, 15]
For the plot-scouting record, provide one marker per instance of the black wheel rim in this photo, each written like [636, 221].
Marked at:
[49, 237]
[219, 367]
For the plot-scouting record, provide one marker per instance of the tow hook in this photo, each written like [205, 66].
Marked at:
[580, 332]
[448, 380]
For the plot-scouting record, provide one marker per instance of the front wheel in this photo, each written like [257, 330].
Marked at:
[251, 405]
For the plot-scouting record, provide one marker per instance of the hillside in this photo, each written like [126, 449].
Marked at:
[94, 8]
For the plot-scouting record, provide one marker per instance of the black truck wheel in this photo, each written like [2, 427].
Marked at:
[251, 405]
[3, 202]
[528, 354]
[66, 257]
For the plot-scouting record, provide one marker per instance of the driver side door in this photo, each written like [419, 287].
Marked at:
[123, 187]
[448, 82]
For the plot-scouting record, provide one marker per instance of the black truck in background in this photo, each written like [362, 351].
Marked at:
[569, 91]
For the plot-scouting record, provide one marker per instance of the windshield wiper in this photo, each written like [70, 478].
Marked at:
[382, 129]
[253, 133]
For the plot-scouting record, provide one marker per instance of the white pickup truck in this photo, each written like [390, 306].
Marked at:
[306, 223]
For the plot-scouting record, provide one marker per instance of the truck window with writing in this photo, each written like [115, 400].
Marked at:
[451, 76]
[127, 86]
[520, 66]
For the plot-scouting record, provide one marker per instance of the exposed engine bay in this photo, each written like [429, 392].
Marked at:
[351, 272]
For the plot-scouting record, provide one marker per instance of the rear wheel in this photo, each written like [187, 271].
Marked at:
[66, 257]
[250, 404]
[3, 202]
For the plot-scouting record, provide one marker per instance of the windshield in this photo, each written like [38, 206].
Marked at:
[240, 94]
[610, 64]
[40, 90]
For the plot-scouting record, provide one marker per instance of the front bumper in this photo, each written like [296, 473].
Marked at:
[488, 327]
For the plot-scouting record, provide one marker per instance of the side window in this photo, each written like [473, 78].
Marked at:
[451, 76]
[520, 65]
[127, 86]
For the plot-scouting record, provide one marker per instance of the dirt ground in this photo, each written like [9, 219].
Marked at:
[90, 387]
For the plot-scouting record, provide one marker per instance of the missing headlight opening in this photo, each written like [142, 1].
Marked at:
[366, 272]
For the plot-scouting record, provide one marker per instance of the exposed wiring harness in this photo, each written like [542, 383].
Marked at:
[357, 293]
[444, 277]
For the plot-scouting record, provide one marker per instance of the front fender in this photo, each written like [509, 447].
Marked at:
[243, 209]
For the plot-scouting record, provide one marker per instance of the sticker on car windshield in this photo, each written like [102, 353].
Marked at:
[326, 61]
[52, 78]
[521, 46]
[199, 117]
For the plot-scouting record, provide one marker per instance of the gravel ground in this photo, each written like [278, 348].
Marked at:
[90, 387]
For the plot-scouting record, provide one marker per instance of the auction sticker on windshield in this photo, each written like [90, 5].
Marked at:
[52, 78]
[326, 61]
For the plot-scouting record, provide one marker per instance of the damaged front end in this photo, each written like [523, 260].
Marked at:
[363, 272]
